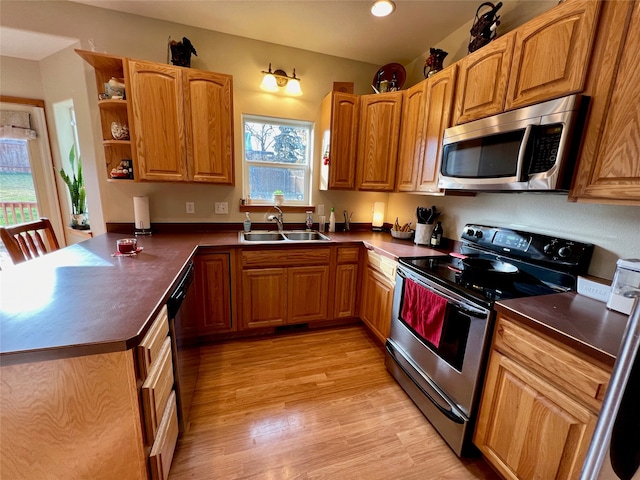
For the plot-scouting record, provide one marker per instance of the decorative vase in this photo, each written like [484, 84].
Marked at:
[278, 198]
[434, 62]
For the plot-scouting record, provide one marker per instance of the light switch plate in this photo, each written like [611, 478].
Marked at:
[191, 207]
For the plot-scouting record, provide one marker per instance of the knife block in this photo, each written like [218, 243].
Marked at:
[423, 234]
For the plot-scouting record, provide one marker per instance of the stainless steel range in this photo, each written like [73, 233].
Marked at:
[443, 315]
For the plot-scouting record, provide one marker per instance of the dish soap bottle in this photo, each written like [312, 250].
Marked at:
[332, 220]
[247, 222]
[309, 220]
[436, 235]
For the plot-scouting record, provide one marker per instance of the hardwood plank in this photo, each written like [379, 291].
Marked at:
[309, 405]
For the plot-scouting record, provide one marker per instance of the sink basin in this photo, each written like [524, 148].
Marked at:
[261, 236]
[287, 236]
[306, 236]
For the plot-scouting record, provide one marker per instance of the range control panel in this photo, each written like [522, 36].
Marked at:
[534, 247]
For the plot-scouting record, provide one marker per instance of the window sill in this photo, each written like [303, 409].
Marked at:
[284, 208]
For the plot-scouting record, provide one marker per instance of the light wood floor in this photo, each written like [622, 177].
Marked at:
[310, 405]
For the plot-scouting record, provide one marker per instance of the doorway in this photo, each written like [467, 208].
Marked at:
[27, 175]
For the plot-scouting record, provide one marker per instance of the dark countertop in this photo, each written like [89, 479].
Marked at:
[80, 300]
[575, 320]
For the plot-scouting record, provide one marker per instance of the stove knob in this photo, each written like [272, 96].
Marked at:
[549, 249]
[478, 233]
[470, 232]
[564, 252]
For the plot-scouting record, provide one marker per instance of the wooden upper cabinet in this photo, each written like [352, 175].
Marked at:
[439, 101]
[182, 123]
[609, 165]
[339, 127]
[552, 53]
[209, 121]
[155, 95]
[411, 140]
[379, 129]
[482, 80]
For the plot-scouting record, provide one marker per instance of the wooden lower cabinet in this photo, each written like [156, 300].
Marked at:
[539, 405]
[378, 284]
[284, 286]
[214, 291]
[345, 296]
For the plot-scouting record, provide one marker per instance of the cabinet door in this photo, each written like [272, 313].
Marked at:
[527, 428]
[346, 291]
[411, 140]
[482, 80]
[343, 141]
[264, 297]
[552, 53]
[213, 287]
[308, 293]
[158, 121]
[209, 122]
[609, 166]
[377, 301]
[378, 140]
[439, 101]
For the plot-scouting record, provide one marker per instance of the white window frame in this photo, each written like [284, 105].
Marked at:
[308, 168]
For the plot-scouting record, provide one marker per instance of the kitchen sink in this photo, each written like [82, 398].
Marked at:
[286, 236]
[306, 236]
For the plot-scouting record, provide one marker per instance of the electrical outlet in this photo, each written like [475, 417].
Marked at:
[191, 207]
[320, 210]
[222, 208]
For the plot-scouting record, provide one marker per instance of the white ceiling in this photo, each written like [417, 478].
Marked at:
[333, 27]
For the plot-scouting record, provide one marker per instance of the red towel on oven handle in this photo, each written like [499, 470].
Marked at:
[424, 311]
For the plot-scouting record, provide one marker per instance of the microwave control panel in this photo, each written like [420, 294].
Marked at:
[546, 148]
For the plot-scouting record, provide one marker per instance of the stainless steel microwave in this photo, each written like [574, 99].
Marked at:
[529, 149]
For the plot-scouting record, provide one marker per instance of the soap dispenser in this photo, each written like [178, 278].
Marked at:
[247, 222]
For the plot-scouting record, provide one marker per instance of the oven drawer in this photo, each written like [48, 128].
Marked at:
[559, 364]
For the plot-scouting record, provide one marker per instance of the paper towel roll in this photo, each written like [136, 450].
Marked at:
[141, 213]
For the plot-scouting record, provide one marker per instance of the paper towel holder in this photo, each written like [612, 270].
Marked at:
[142, 224]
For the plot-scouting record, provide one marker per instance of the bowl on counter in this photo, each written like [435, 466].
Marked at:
[402, 235]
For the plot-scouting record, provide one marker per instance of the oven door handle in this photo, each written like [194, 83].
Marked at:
[459, 306]
[448, 409]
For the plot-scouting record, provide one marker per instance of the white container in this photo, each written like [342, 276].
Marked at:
[626, 285]
[423, 234]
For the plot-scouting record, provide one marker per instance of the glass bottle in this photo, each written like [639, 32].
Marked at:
[436, 235]
[309, 220]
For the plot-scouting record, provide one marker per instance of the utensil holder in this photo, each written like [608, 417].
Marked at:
[423, 234]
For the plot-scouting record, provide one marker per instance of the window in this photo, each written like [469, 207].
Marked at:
[277, 156]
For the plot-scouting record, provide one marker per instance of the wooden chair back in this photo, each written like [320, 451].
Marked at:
[29, 240]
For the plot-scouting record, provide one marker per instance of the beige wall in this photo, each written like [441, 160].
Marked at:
[20, 78]
[613, 229]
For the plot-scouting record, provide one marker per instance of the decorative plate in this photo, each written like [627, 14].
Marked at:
[386, 73]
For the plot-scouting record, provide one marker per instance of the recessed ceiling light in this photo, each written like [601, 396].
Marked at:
[382, 8]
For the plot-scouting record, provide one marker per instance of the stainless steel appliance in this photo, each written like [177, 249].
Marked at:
[442, 372]
[531, 149]
[614, 453]
[183, 330]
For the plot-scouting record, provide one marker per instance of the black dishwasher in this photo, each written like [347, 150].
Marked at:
[183, 329]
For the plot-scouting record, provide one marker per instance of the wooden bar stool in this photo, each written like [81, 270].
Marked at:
[25, 241]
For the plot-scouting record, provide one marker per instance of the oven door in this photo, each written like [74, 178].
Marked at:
[455, 366]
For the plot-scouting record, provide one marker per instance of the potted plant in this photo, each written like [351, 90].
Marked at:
[75, 183]
[278, 197]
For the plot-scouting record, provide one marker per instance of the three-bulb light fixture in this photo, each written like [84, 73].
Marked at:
[273, 81]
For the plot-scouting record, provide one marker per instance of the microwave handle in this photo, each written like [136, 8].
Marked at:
[523, 151]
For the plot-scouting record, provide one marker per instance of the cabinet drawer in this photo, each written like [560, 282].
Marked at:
[382, 264]
[162, 452]
[586, 380]
[348, 254]
[156, 390]
[286, 257]
[151, 344]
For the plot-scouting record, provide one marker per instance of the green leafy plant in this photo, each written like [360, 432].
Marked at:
[278, 192]
[75, 183]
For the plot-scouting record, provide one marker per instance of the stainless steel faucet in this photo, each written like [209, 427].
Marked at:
[279, 219]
